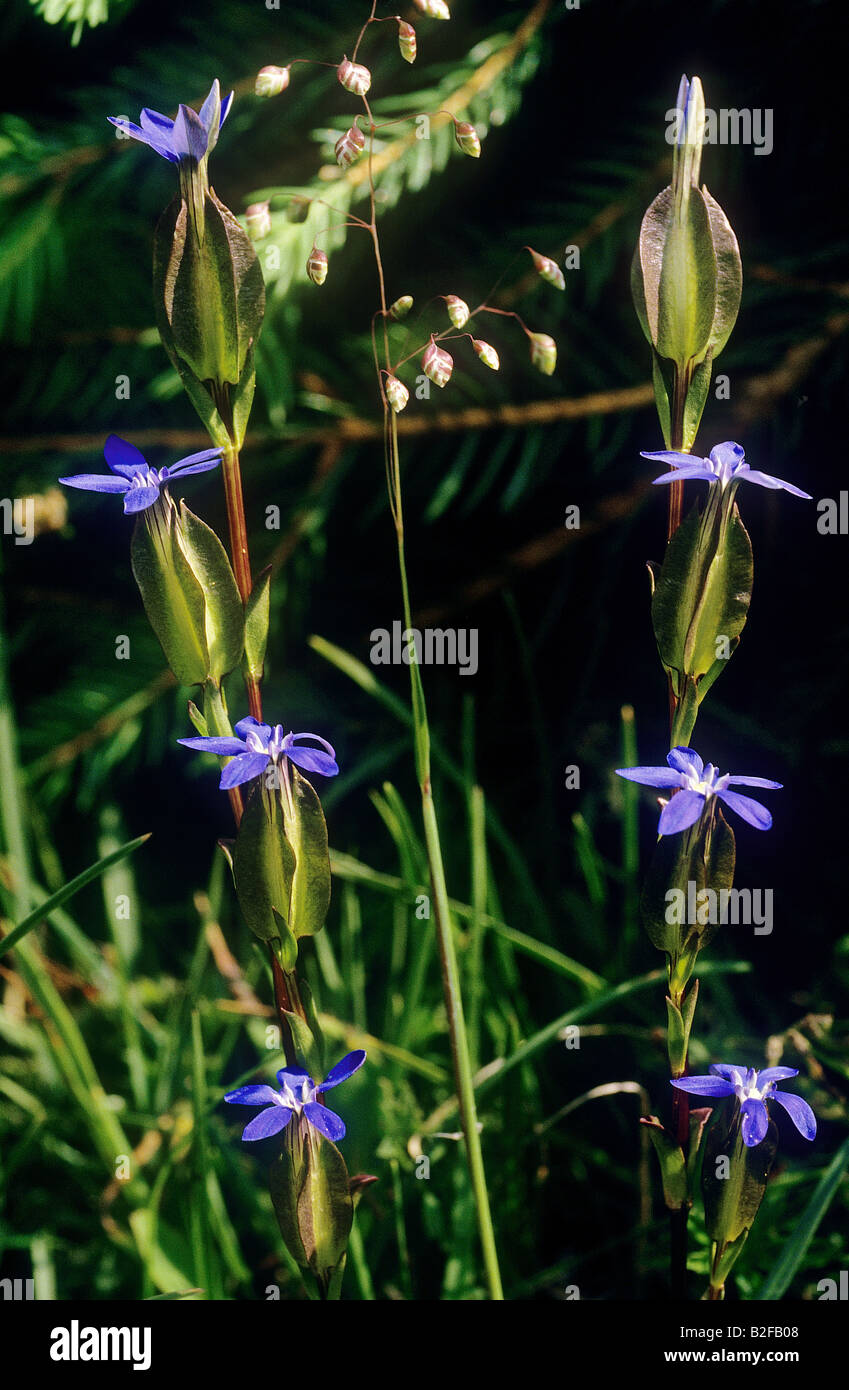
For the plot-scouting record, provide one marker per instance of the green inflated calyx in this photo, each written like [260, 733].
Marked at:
[686, 279]
[311, 1193]
[734, 1179]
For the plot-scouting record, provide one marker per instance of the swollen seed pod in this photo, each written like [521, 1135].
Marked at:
[396, 394]
[487, 354]
[317, 266]
[354, 77]
[271, 81]
[407, 41]
[458, 310]
[548, 269]
[350, 146]
[258, 221]
[434, 9]
[401, 308]
[438, 364]
[543, 353]
[467, 138]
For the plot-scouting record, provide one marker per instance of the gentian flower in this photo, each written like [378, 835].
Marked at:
[297, 1096]
[134, 477]
[752, 1089]
[724, 465]
[191, 136]
[257, 745]
[698, 783]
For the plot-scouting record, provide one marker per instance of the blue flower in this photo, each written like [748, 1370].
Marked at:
[135, 478]
[297, 1096]
[752, 1088]
[698, 783]
[191, 136]
[257, 745]
[725, 465]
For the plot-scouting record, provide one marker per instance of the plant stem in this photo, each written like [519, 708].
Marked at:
[463, 1071]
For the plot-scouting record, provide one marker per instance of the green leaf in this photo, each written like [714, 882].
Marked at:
[729, 277]
[263, 866]
[794, 1250]
[703, 857]
[673, 1169]
[703, 592]
[694, 403]
[310, 1190]
[62, 895]
[210, 295]
[257, 612]
[732, 1201]
[224, 615]
[679, 1023]
[306, 1038]
[306, 831]
[674, 280]
[172, 596]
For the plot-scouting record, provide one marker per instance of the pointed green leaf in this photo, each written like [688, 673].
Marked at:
[257, 612]
[225, 621]
[306, 831]
[670, 1156]
[172, 596]
[729, 278]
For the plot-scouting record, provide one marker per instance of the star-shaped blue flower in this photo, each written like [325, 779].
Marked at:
[297, 1096]
[134, 477]
[725, 464]
[191, 136]
[256, 745]
[698, 784]
[752, 1089]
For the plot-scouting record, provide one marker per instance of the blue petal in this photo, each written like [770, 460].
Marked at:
[728, 454]
[746, 806]
[161, 145]
[776, 1074]
[293, 1075]
[727, 1069]
[252, 1095]
[650, 776]
[343, 1070]
[223, 747]
[190, 138]
[154, 123]
[96, 482]
[799, 1111]
[123, 457]
[267, 1122]
[755, 1122]
[208, 109]
[196, 463]
[311, 759]
[225, 109]
[685, 760]
[697, 470]
[680, 812]
[242, 769]
[728, 781]
[138, 499]
[329, 1124]
[244, 727]
[705, 1085]
[669, 456]
[766, 480]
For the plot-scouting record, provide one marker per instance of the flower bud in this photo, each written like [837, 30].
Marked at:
[258, 221]
[548, 269]
[396, 394]
[407, 41]
[350, 146]
[354, 77]
[401, 308]
[271, 81]
[438, 364]
[543, 353]
[467, 138]
[487, 354]
[458, 310]
[434, 9]
[317, 266]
